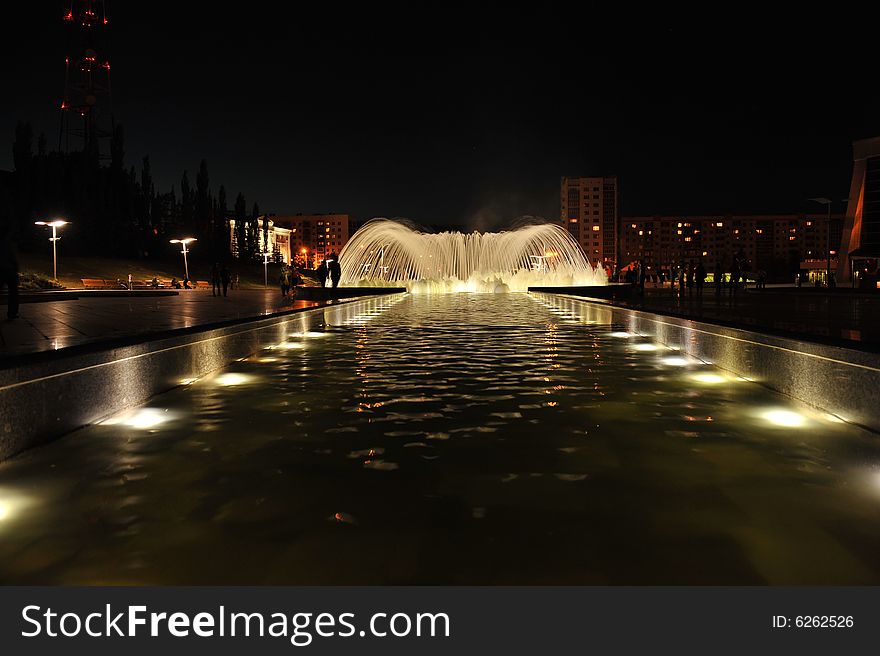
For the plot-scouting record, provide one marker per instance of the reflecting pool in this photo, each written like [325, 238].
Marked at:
[453, 439]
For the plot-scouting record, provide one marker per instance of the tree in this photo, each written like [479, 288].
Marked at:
[241, 229]
[185, 213]
[221, 224]
[203, 201]
[255, 215]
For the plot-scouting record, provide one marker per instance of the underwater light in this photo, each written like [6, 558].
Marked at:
[676, 361]
[233, 379]
[289, 345]
[143, 418]
[646, 347]
[622, 335]
[709, 379]
[785, 418]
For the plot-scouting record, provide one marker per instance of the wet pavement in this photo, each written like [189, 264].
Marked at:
[55, 325]
[836, 316]
[455, 439]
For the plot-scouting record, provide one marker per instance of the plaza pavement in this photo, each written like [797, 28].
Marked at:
[839, 317]
[53, 325]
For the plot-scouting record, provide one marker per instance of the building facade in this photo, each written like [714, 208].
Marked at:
[589, 211]
[776, 244]
[276, 243]
[860, 243]
[313, 237]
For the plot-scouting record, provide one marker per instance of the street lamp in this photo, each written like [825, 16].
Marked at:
[183, 242]
[827, 202]
[54, 238]
[265, 269]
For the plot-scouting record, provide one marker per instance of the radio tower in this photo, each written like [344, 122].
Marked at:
[86, 113]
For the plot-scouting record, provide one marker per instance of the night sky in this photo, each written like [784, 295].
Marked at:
[458, 118]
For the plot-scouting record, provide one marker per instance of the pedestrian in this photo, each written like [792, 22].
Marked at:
[322, 272]
[701, 277]
[225, 278]
[284, 281]
[734, 277]
[215, 279]
[690, 275]
[718, 277]
[9, 271]
[335, 271]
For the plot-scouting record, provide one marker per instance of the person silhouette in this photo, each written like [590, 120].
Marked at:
[322, 272]
[335, 271]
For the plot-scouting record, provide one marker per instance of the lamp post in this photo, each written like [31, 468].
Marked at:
[265, 269]
[183, 242]
[54, 238]
[827, 202]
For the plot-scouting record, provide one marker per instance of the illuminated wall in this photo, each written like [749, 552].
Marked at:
[861, 231]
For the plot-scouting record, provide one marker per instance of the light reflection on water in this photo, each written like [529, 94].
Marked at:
[452, 439]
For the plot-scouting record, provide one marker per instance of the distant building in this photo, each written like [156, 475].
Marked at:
[278, 245]
[589, 211]
[315, 236]
[860, 241]
[777, 244]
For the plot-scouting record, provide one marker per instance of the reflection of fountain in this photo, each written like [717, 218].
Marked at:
[392, 253]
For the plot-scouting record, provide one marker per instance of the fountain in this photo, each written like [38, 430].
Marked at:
[395, 253]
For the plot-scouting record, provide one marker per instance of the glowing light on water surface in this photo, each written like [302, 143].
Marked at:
[232, 378]
[709, 379]
[677, 361]
[12, 504]
[142, 418]
[622, 335]
[646, 347]
[784, 418]
[287, 346]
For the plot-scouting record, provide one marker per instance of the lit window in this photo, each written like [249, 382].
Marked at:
[596, 229]
[720, 224]
[687, 238]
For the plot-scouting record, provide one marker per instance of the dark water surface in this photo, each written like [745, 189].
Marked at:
[454, 439]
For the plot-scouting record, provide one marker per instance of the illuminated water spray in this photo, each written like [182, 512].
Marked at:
[385, 252]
